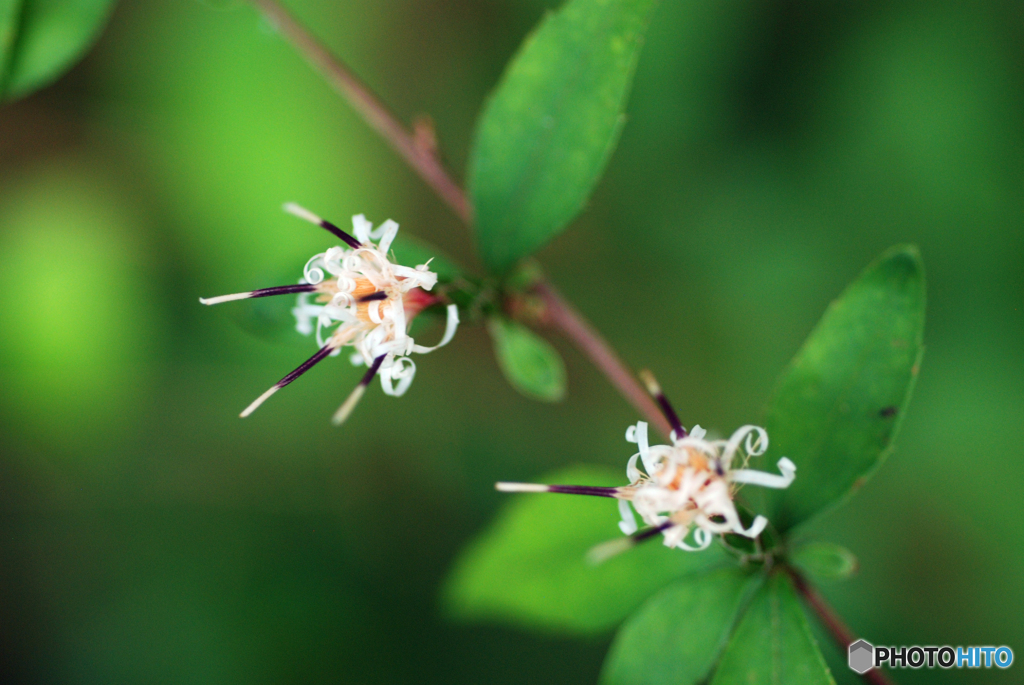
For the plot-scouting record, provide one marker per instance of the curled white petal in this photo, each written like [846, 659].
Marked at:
[322, 321]
[755, 528]
[640, 435]
[352, 263]
[342, 300]
[361, 228]
[703, 539]
[756, 448]
[733, 444]
[304, 312]
[403, 370]
[451, 325]
[726, 526]
[697, 433]
[387, 231]
[628, 523]
[674, 535]
[632, 472]
[374, 312]
[767, 480]
[396, 312]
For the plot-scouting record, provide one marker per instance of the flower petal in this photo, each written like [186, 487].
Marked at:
[767, 480]
[451, 325]
[628, 523]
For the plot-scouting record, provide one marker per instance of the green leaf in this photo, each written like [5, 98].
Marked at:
[10, 17]
[838, 406]
[824, 560]
[548, 129]
[773, 644]
[529, 567]
[529, 362]
[40, 39]
[677, 635]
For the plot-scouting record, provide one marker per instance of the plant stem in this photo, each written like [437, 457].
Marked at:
[571, 323]
[841, 634]
[562, 315]
[418, 156]
[423, 160]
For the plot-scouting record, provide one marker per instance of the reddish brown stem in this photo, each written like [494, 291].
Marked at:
[841, 634]
[564, 316]
[421, 159]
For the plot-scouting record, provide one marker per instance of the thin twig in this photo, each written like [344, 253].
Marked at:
[423, 159]
[369, 106]
[425, 163]
[841, 634]
[565, 317]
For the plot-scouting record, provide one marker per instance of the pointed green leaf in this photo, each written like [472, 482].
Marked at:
[10, 19]
[530, 568]
[547, 131]
[824, 560]
[40, 39]
[838, 406]
[677, 635]
[529, 362]
[773, 644]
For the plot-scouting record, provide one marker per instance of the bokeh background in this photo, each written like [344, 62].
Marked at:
[772, 150]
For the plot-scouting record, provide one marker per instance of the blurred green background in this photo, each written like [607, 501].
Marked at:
[772, 150]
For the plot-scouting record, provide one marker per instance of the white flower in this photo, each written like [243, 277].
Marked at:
[692, 484]
[687, 486]
[363, 301]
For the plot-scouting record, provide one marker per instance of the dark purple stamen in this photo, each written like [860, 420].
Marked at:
[349, 240]
[649, 533]
[372, 371]
[379, 295]
[671, 415]
[306, 366]
[583, 490]
[284, 290]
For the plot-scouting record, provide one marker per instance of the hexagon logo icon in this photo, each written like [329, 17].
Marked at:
[861, 656]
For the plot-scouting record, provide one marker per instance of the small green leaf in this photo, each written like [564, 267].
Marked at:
[838, 406]
[530, 568]
[40, 39]
[548, 129]
[824, 560]
[677, 635]
[529, 362]
[773, 644]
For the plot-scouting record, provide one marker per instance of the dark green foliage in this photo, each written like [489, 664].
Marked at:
[773, 644]
[677, 635]
[530, 566]
[547, 132]
[838, 407]
[40, 39]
